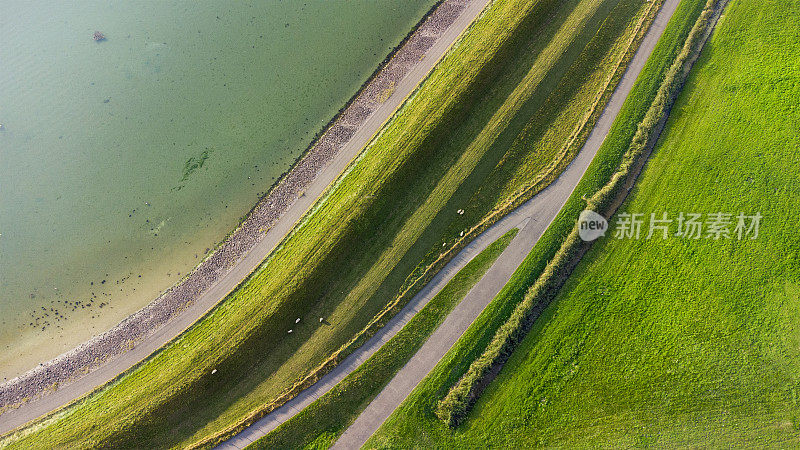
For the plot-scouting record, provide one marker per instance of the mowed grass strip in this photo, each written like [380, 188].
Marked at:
[676, 342]
[345, 262]
[324, 420]
[414, 424]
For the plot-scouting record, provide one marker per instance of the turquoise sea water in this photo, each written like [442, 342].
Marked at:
[122, 161]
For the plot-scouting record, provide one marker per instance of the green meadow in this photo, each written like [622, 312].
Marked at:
[677, 341]
[493, 115]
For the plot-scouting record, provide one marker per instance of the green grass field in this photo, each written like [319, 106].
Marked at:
[673, 342]
[494, 112]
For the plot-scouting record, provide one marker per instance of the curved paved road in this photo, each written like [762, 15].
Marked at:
[532, 218]
[541, 210]
[36, 408]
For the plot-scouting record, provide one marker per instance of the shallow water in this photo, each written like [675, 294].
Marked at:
[123, 161]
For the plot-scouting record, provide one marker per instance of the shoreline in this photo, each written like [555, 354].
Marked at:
[53, 375]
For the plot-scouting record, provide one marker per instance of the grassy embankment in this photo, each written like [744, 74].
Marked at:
[415, 422]
[682, 342]
[523, 77]
[324, 420]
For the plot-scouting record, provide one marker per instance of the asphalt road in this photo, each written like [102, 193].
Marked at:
[60, 397]
[540, 211]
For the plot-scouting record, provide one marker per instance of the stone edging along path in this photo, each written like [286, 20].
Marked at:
[106, 356]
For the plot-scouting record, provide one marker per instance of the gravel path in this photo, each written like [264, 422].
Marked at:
[94, 363]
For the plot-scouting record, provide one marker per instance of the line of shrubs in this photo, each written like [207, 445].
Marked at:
[455, 406]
